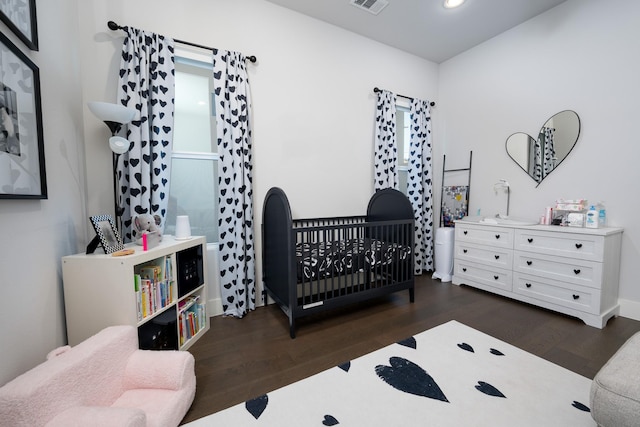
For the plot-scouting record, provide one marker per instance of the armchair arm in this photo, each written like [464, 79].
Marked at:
[99, 416]
[171, 370]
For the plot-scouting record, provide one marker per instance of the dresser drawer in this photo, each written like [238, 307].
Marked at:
[570, 245]
[501, 237]
[580, 272]
[487, 255]
[483, 274]
[564, 294]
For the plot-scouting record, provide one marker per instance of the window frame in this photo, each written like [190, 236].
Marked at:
[197, 59]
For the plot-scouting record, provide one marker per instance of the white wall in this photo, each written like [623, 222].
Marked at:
[582, 56]
[36, 233]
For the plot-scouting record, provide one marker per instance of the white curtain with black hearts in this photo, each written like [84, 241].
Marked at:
[544, 154]
[235, 190]
[419, 184]
[146, 83]
[549, 151]
[386, 150]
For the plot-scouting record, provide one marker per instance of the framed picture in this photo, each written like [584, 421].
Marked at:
[22, 170]
[20, 17]
[107, 233]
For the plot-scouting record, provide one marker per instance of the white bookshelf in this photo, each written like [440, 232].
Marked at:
[99, 291]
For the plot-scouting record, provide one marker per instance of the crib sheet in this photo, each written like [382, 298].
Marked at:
[330, 259]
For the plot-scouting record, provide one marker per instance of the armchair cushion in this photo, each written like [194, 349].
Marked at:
[159, 369]
[615, 390]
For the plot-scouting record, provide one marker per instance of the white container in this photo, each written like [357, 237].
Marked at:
[602, 215]
[575, 219]
[592, 220]
[548, 215]
[444, 254]
[183, 228]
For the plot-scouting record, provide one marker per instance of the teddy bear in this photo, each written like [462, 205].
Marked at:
[146, 223]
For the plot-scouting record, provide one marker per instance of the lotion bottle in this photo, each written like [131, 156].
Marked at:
[602, 215]
[592, 217]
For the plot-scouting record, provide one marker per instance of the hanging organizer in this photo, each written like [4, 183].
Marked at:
[454, 199]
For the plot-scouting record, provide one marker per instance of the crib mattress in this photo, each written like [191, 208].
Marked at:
[330, 259]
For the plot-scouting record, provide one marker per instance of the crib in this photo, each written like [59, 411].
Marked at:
[318, 264]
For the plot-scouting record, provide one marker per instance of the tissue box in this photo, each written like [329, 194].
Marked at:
[571, 205]
[575, 219]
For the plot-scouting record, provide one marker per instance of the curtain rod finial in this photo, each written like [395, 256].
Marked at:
[113, 26]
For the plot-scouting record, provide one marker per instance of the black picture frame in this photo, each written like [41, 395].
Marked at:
[106, 233]
[22, 167]
[20, 17]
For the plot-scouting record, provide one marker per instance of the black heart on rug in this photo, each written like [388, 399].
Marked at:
[409, 342]
[496, 352]
[580, 406]
[329, 421]
[257, 406]
[488, 389]
[345, 366]
[466, 347]
[406, 376]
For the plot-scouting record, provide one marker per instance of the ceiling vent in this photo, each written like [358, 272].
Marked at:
[371, 6]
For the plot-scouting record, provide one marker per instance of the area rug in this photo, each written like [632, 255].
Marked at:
[451, 375]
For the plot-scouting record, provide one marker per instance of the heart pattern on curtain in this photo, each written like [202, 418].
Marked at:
[544, 154]
[386, 150]
[419, 174]
[235, 183]
[420, 183]
[146, 83]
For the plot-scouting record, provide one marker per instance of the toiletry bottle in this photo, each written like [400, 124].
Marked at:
[592, 217]
[602, 215]
[548, 215]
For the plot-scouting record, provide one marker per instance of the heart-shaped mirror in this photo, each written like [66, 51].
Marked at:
[538, 157]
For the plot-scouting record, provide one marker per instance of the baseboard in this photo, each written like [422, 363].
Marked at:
[214, 307]
[629, 309]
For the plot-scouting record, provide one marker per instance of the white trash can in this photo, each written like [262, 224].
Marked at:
[444, 254]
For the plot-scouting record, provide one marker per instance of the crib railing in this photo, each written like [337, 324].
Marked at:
[345, 255]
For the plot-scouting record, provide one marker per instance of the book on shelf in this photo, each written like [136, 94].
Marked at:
[155, 292]
[146, 297]
[188, 302]
[136, 287]
[152, 272]
[191, 320]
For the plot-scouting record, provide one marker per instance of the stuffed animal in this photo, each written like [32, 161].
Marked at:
[146, 223]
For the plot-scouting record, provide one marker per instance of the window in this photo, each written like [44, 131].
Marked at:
[194, 160]
[403, 139]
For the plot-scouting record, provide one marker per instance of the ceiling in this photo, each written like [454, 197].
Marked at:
[424, 27]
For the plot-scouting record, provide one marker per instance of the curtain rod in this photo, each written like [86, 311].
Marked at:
[113, 26]
[376, 90]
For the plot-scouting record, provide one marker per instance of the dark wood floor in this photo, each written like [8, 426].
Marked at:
[239, 359]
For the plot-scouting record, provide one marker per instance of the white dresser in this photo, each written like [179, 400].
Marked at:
[570, 270]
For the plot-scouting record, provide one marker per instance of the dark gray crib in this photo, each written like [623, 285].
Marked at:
[313, 265]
